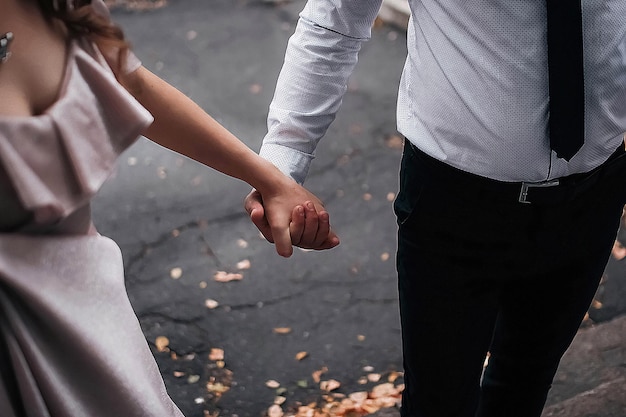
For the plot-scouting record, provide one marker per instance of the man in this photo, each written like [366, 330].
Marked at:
[506, 216]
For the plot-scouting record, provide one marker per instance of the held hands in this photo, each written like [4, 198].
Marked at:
[280, 208]
[295, 217]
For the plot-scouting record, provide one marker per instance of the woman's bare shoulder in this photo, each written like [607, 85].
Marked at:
[31, 77]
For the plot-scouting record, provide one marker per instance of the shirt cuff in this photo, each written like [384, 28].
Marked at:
[289, 161]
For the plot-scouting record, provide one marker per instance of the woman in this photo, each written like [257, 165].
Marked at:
[72, 99]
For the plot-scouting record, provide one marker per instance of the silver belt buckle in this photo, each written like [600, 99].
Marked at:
[523, 193]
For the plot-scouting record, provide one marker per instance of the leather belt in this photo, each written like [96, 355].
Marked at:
[556, 191]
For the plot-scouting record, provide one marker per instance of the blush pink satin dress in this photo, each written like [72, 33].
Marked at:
[70, 342]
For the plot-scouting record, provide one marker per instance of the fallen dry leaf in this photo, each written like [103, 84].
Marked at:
[329, 385]
[394, 141]
[384, 390]
[306, 411]
[358, 397]
[356, 129]
[217, 388]
[393, 376]
[316, 375]
[162, 343]
[282, 330]
[272, 384]
[275, 411]
[618, 251]
[245, 264]
[369, 406]
[216, 354]
[343, 160]
[357, 404]
[301, 355]
[373, 377]
[223, 276]
[195, 181]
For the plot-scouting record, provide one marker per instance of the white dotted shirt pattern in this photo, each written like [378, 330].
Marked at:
[474, 89]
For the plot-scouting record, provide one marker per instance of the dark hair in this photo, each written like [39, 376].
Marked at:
[81, 20]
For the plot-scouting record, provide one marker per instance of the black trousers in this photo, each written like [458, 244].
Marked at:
[481, 272]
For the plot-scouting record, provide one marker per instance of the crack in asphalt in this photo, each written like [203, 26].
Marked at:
[147, 247]
[270, 302]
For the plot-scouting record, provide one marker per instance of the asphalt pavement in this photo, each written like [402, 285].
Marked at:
[239, 331]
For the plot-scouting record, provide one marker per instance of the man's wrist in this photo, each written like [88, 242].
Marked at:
[289, 161]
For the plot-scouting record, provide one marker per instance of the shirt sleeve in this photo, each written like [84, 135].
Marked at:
[320, 57]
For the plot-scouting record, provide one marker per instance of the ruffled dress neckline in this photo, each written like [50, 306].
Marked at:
[58, 160]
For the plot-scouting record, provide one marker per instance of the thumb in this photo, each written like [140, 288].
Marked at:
[253, 201]
[254, 206]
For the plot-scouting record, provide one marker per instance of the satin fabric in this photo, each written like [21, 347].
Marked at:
[58, 160]
[70, 343]
[73, 343]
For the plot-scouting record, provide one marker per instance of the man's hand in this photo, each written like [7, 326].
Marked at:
[309, 226]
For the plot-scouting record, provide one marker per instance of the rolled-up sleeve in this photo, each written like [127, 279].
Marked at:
[319, 59]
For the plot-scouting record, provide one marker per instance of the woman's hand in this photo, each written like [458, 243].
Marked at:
[293, 216]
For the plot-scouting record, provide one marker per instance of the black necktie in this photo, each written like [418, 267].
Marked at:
[565, 62]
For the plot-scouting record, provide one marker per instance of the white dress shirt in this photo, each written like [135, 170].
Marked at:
[474, 89]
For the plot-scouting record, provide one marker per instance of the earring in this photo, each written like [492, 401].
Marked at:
[5, 40]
